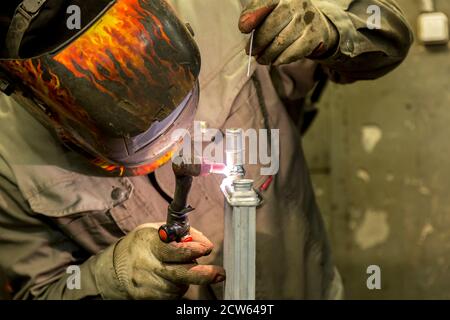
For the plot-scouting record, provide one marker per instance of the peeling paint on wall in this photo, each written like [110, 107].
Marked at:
[364, 175]
[371, 136]
[419, 184]
[410, 125]
[390, 177]
[424, 191]
[374, 229]
[427, 230]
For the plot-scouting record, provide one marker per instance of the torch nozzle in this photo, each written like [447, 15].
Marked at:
[177, 226]
[235, 152]
[197, 167]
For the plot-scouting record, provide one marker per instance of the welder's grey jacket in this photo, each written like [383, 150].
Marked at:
[54, 213]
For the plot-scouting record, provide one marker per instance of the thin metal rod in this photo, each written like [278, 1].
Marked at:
[250, 52]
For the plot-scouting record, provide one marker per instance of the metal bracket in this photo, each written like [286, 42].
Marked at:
[241, 194]
[239, 258]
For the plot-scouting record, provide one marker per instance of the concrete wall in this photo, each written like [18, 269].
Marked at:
[380, 158]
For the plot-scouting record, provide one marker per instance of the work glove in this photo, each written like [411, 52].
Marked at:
[142, 267]
[288, 30]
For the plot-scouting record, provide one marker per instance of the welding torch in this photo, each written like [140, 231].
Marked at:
[177, 226]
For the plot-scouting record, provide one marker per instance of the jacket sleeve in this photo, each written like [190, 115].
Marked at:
[364, 53]
[34, 256]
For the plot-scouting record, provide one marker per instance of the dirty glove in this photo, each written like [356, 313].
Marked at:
[288, 30]
[140, 266]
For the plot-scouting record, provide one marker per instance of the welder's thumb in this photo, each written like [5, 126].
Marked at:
[141, 266]
[254, 13]
[174, 254]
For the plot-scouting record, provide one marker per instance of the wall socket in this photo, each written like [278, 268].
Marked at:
[433, 28]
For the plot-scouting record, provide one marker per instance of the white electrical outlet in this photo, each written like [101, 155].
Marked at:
[433, 28]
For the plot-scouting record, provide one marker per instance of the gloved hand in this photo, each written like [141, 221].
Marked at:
[142, 267]
[288, 30]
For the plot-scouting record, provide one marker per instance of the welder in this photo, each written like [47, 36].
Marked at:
[109, 96]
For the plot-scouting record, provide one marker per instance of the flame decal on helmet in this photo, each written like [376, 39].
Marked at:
[119, 44]
[47, 87]
[130, 68]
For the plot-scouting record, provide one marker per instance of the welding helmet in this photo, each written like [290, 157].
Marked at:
[116, 89]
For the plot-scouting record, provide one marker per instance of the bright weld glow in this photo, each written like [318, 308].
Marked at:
[220, 169]
[214, 168]
[252, 36]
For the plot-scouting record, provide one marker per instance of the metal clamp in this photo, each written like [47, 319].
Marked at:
[32, 7]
